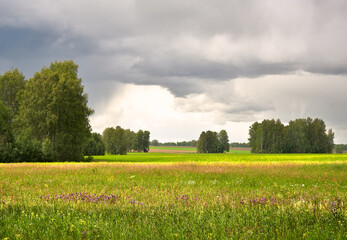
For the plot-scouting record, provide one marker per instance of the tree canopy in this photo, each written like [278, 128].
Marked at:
[213, 142]
[120, 141]
[12, 84]
[300, 136]
[49, 113]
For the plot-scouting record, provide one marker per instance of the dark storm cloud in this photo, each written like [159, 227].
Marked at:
[190, 48]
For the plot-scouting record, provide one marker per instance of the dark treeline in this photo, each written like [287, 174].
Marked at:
[236, 144]
[340, 148]
[300, 136]
[191, 143]
[120, 141]
[45, 118]
[94, 146]
[213, 142]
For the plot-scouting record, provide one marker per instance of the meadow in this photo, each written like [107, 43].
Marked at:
[179, 149]
[177, 196]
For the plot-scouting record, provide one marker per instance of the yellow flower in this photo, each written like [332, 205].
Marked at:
[303, 236]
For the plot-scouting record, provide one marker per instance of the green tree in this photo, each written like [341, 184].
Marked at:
[223, 141]
[131, 139]
[209, 143]
[5, 125]
[12, 84]
[338, 149]
[300, 136]
[142, 141]
[154, 142]
[253, 137]
[53, 108]
[115, 141]
[94, 146]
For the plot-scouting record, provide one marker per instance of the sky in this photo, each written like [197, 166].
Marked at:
[177, 68]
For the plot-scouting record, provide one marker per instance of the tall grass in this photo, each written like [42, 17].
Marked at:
[269, 198]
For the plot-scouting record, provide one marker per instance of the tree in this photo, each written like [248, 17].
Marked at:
[154, 142]
[53, 108]
[338, 149]
[12, 84]
[209, 142]
[115, 141]
[300, 136]
[223, 141]
[6, 137]
[131, 139]
[5, 125]
[142, 141]
[94, 146]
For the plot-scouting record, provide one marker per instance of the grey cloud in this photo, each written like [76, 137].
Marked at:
[191, 48]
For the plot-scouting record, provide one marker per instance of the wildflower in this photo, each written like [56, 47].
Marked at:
[303, 236]
[132, 176]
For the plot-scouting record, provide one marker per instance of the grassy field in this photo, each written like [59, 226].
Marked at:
[193, 149]
[176, 196]
[174, 148]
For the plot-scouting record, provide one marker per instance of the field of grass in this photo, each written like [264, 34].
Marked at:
[193, 149]
[176, 196]
[174, 148]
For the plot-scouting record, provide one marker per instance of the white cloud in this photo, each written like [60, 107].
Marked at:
[154, 108]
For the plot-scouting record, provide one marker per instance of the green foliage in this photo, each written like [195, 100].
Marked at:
[142, 141]
[155, 142]
[300, 136]
[191, 143]
[28, 150]
[131, 139]
[115, 140]
[54, 107]
[12, 84]
[338, 149]
[94, 146]
[223, 141]
[5, 125]
[237, 144]
[211, 142]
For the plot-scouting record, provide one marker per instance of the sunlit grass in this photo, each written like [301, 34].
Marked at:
[167, 196]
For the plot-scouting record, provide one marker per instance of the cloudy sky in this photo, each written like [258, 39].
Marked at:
[179, 67]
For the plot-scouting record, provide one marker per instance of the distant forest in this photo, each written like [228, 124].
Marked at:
[299, 136]
[192, 143]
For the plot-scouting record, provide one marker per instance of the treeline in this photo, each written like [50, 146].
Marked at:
[191, 143]
[299, 136]
[120, 141]
[213, 142]
[236, 144]
[45, 118]
[95, 146]
[339, 148]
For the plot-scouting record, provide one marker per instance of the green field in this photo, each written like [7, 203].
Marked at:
[177, 196]
[193, 149]
[174, 148]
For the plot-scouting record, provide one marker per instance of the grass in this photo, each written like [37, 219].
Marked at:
[174, 148]
[193, 149]
[185, 196]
